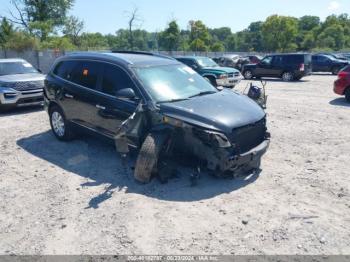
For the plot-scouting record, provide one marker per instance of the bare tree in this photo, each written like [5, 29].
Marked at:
[133, 21]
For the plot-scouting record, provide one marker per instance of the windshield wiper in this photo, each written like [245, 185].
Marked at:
[203, 93]
[173, 100]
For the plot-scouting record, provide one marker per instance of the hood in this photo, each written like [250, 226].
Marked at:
[22, 78]
[222, 111]
[220, 70]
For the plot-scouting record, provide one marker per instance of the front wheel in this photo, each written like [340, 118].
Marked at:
[59, 125]
[248, 74]
[147, 160]
[287, 76]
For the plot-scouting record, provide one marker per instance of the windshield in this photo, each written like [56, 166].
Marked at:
[13, 68]
[206, 62]
[175, 82]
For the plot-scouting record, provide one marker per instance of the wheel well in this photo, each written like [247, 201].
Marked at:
[347, 89]
[51, 105]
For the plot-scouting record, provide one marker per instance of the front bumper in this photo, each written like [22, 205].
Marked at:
[12, 98]
[230, 81]
[235, 162]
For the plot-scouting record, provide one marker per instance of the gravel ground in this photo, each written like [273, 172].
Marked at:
[75, 198]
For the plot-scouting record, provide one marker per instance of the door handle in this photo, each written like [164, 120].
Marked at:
[68, 95]
[100, 107]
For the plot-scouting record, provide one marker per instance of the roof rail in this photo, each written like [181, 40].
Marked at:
[143, 53]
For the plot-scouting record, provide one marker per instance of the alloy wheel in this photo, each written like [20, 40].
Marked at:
[58, 124]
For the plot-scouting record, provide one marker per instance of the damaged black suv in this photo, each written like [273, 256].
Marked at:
[158, 105]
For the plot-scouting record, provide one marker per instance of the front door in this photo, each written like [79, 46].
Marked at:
[112, 110]
[264, 68]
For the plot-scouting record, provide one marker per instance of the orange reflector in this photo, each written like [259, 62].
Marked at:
[85, 72]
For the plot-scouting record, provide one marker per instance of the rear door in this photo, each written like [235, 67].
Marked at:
[80, 80]
[111, 110]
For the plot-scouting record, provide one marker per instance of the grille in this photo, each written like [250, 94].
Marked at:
[29, 85]
[233, 74]
[250, 136]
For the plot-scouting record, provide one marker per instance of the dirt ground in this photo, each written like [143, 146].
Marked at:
[75, 198]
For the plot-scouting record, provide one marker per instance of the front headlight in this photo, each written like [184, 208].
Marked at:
[223, 76]
[211, 138]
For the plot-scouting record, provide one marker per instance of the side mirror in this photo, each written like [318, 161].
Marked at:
[39, 70]
[126, 93]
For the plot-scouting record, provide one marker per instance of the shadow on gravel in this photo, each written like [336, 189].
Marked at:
[21, 110]
[341, 101]
[97, 161]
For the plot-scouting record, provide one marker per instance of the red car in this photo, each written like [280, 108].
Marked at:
[342, 84]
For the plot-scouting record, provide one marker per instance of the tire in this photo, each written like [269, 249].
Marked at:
[60, 127]
[147, 160]
[248, 75]
[211, 80]
[335, 70]
[287, 76]
[347, 94]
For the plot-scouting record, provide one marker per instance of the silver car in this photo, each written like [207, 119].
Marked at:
[20, 84]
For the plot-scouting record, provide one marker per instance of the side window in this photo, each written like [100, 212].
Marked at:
[278, 60]
[323, 59]
[115, 79]
[85, 73]
[64, 69]
[267, 60]
[189, 62]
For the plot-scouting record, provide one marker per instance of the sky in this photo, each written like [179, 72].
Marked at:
[107, 16]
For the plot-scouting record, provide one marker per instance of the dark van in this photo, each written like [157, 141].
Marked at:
[289, 67]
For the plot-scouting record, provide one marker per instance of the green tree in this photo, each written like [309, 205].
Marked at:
[169, 39]
[217, 47]
[279, 33]
[73, 28]
[199, 36]
[40, 17]
[6, 32]
[93, 41]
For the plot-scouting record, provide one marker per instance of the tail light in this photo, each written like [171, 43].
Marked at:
[302, 67]
[343, 74]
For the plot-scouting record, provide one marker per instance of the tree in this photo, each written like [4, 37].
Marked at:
[6, 32]
[133, 19]
[40, 17]
[73, 27]
[307, 23]
[199, 36]
[279, 33]
[93, 41]
[217, 47]
[169, 39]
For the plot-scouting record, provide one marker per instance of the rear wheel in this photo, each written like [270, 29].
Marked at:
[59, 125]
[248, 74]
[287, 76]
[148, 157]
[347, 94]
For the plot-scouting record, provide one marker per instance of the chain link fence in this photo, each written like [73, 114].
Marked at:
[44, 59]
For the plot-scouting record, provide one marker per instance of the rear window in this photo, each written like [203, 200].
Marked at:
[84, 73]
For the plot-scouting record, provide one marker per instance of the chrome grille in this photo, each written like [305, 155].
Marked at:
[28, 85]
